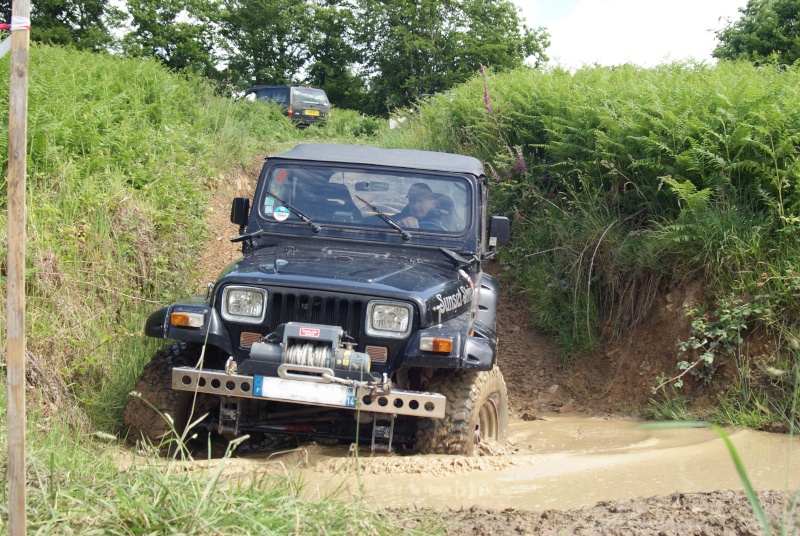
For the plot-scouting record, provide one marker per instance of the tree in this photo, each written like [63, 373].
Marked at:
[78, 23]
[497, 38]
[767, 29]
[179, 33]
[431, 45]
[265, 40]
[332, 53]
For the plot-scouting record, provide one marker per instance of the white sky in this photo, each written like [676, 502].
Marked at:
[643, 32]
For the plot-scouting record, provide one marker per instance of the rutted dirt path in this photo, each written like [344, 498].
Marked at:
[572, 464]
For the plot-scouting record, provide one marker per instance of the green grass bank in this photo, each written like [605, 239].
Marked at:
[623, 182]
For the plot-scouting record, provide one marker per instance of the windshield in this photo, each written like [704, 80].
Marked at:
[307, 94]
[279, 95]
[334, 196]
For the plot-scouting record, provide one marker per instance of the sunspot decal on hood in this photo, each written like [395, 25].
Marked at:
[455, 301]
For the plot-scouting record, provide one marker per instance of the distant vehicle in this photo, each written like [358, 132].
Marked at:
[303, 105]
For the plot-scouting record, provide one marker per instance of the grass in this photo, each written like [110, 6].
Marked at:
[622, 182]
[123, 157]
[87, 484]
[673, 407]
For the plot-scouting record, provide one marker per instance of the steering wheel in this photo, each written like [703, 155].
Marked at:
[432, 226]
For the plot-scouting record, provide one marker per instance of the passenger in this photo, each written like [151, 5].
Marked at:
[447, 210]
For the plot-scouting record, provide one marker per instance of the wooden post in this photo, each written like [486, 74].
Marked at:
[15, 347]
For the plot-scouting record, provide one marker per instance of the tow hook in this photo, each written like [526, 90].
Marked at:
[228, 417]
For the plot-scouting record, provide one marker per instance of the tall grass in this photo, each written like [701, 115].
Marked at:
[623, 180]
[121, 158]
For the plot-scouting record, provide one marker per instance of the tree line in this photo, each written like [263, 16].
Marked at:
[369, 55]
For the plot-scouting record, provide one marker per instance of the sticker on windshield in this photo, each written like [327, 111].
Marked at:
[281, 213]
[269, 203]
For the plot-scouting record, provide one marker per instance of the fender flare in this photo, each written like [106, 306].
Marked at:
[213, 331]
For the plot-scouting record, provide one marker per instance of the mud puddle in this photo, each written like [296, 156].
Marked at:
[561, 462]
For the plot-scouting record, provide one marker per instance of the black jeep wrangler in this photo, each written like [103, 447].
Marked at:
[359, 310]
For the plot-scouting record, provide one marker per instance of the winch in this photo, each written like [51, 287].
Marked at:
[311, 345]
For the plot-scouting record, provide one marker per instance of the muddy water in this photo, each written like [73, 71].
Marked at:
[561, 462]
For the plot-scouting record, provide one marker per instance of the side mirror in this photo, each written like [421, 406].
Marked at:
[499, 231]
[240, 210]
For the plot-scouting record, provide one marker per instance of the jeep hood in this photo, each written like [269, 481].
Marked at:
[362, 272]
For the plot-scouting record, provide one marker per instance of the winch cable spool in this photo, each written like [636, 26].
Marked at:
[308, 354]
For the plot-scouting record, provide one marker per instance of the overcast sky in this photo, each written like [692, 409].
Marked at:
[643, 32]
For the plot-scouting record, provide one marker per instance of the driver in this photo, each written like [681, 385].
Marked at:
[420, 208]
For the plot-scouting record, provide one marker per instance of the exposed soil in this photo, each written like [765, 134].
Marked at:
[719, 512]
[615, 380]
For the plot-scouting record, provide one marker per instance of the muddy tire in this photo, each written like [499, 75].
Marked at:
[476, 411]
[144, 414]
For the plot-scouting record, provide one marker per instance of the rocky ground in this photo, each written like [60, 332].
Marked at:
[720, 512]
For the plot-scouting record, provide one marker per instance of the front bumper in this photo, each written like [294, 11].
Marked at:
[314, 391]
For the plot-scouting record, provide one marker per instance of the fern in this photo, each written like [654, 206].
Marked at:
[694, 200]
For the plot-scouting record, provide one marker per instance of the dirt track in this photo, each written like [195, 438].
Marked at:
[539, 387]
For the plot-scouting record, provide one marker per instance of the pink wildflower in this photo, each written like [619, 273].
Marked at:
[495, 176]
[521, 160]
[486, 101]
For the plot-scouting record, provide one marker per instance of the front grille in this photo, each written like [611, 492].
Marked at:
[315, 309]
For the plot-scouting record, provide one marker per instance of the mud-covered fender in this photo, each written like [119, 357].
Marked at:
[474, 346]
[480, 348]
[488, 299]
[213, 331]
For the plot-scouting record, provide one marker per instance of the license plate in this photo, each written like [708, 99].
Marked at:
[328, 394]
[312, 112]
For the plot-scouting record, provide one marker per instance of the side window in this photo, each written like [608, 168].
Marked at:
[280, 96]
[264, 95]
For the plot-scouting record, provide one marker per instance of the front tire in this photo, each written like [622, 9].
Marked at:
[476, 412]
[144, 416]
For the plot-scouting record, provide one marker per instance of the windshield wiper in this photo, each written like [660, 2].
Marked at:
[314, 227]
[387, 219]
[457, 259]
[248, 236]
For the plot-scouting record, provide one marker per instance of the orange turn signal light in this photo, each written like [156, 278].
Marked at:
[187, 320]
[443, 345]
